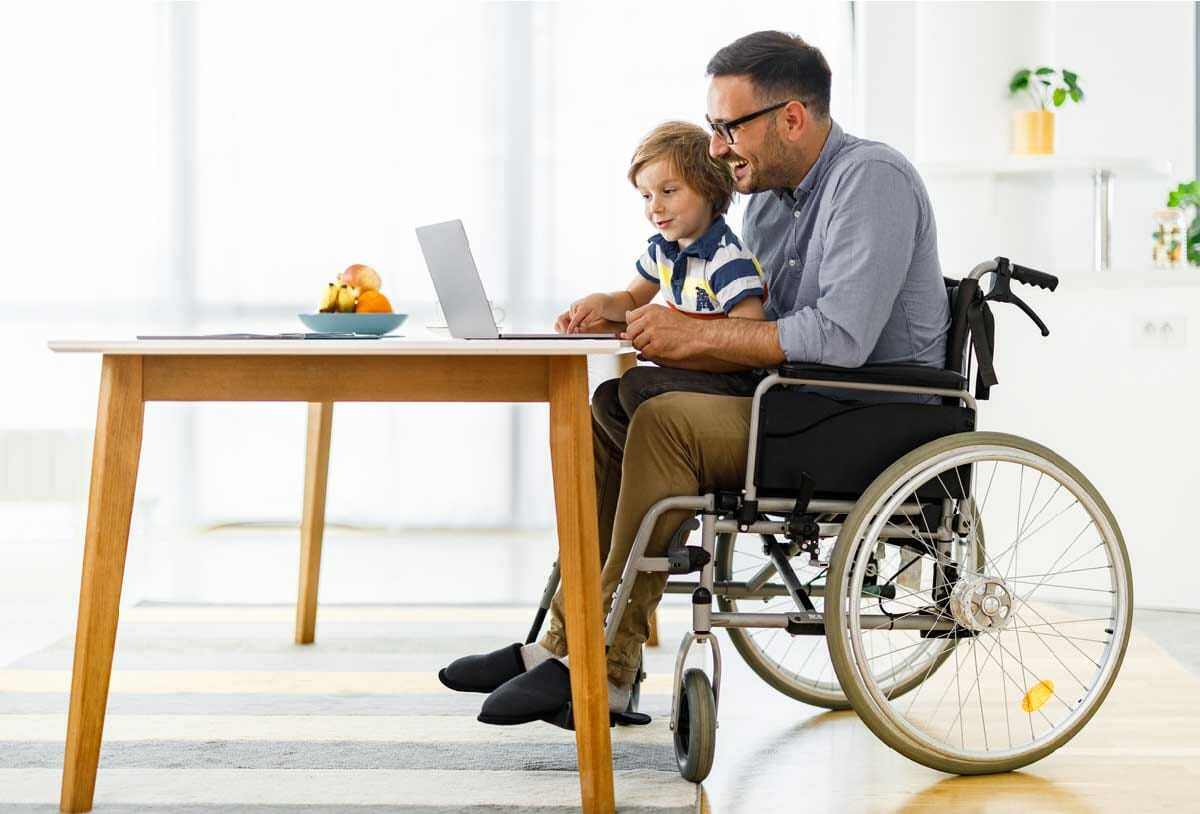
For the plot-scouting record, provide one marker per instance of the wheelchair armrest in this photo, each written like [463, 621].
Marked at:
[905, 375]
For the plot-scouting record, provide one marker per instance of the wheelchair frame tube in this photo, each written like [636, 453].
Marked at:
[877, 620]
[637, 562]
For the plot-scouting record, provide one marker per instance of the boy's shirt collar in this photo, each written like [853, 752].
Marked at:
[703, 247]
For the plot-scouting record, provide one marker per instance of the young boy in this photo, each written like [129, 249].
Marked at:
[694, 259]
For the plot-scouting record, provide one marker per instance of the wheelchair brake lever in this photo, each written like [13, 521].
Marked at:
[1020, 303]
[1001, 291]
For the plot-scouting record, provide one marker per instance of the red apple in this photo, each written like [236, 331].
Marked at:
[362, 277]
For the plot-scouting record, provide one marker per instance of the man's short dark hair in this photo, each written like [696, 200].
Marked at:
[781, 67]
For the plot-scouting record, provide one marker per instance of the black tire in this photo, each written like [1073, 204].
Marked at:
[696, 732]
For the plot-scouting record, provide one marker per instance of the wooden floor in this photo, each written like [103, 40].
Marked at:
[1141, 753]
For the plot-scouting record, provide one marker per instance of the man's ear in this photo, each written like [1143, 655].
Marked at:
[796, 119]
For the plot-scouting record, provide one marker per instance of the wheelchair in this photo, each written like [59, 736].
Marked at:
[968, 594]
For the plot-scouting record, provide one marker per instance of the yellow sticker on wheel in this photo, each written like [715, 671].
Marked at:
[1037, 697]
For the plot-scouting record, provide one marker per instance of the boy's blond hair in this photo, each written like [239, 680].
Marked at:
[685, 146]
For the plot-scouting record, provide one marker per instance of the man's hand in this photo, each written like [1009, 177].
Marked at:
[671, 339]
[663, 335]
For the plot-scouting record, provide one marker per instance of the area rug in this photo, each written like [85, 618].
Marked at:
[213, 709]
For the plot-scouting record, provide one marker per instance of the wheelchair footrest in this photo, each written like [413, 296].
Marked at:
[564, 718]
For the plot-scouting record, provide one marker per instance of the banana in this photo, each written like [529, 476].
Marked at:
[345, 299]
[329, 299]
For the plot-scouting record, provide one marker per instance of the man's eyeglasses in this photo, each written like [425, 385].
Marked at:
[725, 129]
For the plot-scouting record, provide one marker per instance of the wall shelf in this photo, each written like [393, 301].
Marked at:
[1139, 279]
[1101, 169]
[1046, 165]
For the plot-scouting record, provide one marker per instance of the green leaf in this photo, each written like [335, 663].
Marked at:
[1046, 82]
[1044, 71]
[1060, 96]
[1076, 95]
[1019, 82]
[1172, 199]
[1070, 77]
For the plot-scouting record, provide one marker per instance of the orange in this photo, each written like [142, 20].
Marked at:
[373, 302]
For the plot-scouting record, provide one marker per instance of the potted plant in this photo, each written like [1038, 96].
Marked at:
[1187, 198]
[1034, 129]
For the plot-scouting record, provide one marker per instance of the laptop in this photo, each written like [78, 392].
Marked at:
[459, 289]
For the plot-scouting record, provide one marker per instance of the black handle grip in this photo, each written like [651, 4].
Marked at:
[1030, 276]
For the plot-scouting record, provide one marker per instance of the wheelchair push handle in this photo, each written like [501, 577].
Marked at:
[1028, 276]
[1001, 291]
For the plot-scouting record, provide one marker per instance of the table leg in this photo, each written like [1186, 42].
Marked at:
[575, 507]
[115, 457]
[312, 523]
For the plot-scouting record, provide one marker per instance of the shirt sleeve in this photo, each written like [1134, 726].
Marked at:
[869, 242]
[646, 265]
[733, 275]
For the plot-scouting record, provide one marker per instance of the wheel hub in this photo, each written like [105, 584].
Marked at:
[981, 603]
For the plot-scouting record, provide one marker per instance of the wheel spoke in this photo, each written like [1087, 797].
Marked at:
[1059, 547]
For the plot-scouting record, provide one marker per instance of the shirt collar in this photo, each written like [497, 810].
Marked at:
[703, 247]
[833, 143]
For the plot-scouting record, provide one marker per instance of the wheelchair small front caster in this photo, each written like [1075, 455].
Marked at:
[696, 730]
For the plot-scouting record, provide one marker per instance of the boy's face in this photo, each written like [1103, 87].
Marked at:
[677, 211]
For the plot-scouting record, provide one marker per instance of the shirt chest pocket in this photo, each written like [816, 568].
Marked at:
[807, 252]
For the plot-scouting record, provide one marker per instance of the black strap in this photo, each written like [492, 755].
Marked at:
[983, 331]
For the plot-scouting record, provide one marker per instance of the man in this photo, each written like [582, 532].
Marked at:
[846, 237]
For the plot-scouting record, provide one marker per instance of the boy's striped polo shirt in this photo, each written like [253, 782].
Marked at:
[713, 274]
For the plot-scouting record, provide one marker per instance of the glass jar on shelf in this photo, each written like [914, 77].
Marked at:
[1170, 238]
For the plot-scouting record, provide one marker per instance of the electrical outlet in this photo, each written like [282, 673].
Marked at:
[1160, 331]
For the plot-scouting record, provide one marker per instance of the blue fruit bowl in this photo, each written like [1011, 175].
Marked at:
[376, 324]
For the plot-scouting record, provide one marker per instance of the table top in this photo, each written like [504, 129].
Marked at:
[395, 346]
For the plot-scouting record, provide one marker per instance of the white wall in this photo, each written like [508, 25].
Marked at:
[934, 84]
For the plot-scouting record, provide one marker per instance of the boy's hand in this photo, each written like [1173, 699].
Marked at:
[591, 308]
[596, 326]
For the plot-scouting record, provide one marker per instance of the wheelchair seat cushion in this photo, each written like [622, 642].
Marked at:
[844, 445]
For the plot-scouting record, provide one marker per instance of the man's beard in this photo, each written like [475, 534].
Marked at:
[769, 171]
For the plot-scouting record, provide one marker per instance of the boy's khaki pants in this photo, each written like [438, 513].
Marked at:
[677, 444]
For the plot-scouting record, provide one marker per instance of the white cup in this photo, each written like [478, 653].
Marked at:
[439, 318]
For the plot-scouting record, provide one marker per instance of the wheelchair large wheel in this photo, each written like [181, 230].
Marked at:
[799, 666]
[696, 732]
[1041, 625]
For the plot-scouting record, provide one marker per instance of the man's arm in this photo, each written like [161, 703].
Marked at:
[869, 245]
[671, 339]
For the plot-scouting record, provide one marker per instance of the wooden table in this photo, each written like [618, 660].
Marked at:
[318, 372]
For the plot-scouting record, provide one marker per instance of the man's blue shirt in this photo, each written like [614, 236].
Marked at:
[850, 260]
